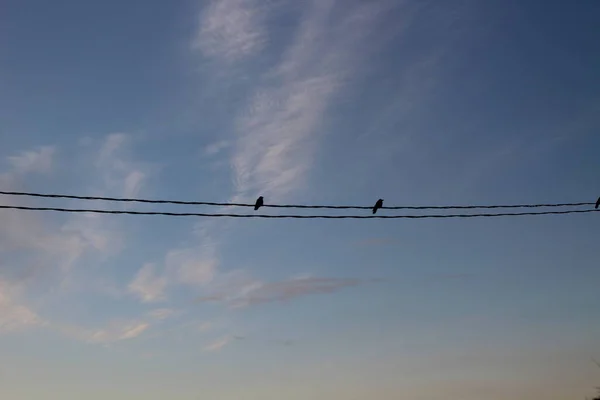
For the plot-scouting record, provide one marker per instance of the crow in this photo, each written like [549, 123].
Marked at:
[259, 203]
[378, 205]
[598, 202]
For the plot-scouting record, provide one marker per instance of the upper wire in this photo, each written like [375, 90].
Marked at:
[300, 206]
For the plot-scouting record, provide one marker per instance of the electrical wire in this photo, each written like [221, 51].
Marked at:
[175, 214]
[300, 206]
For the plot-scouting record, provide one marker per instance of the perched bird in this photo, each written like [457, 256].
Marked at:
[598, 202]
[259, 203]
[378, 205]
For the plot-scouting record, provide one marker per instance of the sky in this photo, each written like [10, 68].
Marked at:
[308, 102]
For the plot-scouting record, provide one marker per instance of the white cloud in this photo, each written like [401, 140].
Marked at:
[117, 331]
[38, 246]
[112, 144]
[17, 317]
[48, 248]
[162, 313]
[42, 242]
[193, 266]
[92, 232]
[230, 29]
[119, 175]
[277, 130]
[278, 133]
[14, 316]
[215, 148]
[218, 344]
[133, 183]
[148, 286]
[238, 290]
[133, 331]
[113, 173]
[205, 327]
[274, 154]
[39, 160]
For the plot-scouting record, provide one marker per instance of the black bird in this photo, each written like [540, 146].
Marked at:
[378, 205]
[259, 203]
[598, 202]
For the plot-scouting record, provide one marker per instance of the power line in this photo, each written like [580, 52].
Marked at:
[303, 206]
[174, 214]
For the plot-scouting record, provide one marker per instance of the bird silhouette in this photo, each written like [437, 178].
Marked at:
[598, 202]
[378, 205]
[259, 203]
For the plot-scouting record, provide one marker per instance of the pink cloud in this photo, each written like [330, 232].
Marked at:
[242, 293]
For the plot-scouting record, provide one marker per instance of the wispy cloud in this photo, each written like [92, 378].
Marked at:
[45, 248]
[39, 160]
[147, 285]
[14, 316]
[230, 29]
[44, 242]
[278, 131]
[26, 232]
[109, 170]
[132, 331]
[247, 292]
[161, 314]
[218, 344]
[49, 248]
[217, 147]
[205, 326]
[112, 143]
[192, 266]
[133, 183]
[115, 331]
[119, 175]
[113, 172]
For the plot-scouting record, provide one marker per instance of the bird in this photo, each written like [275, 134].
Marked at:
[598, 202]
[259, 203]
[378, 205]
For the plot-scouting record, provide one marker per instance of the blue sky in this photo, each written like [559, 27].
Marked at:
[324, 101]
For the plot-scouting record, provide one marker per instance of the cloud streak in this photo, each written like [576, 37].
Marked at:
[13, 316]
[116, 331]
[218, 344]
[230, 30]
[246, 292]
[118, 173]
[147, 285]
[215, 148]
[278, 131]
[38, 161]
[41, 242]
[191, 266]
[160, 314]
